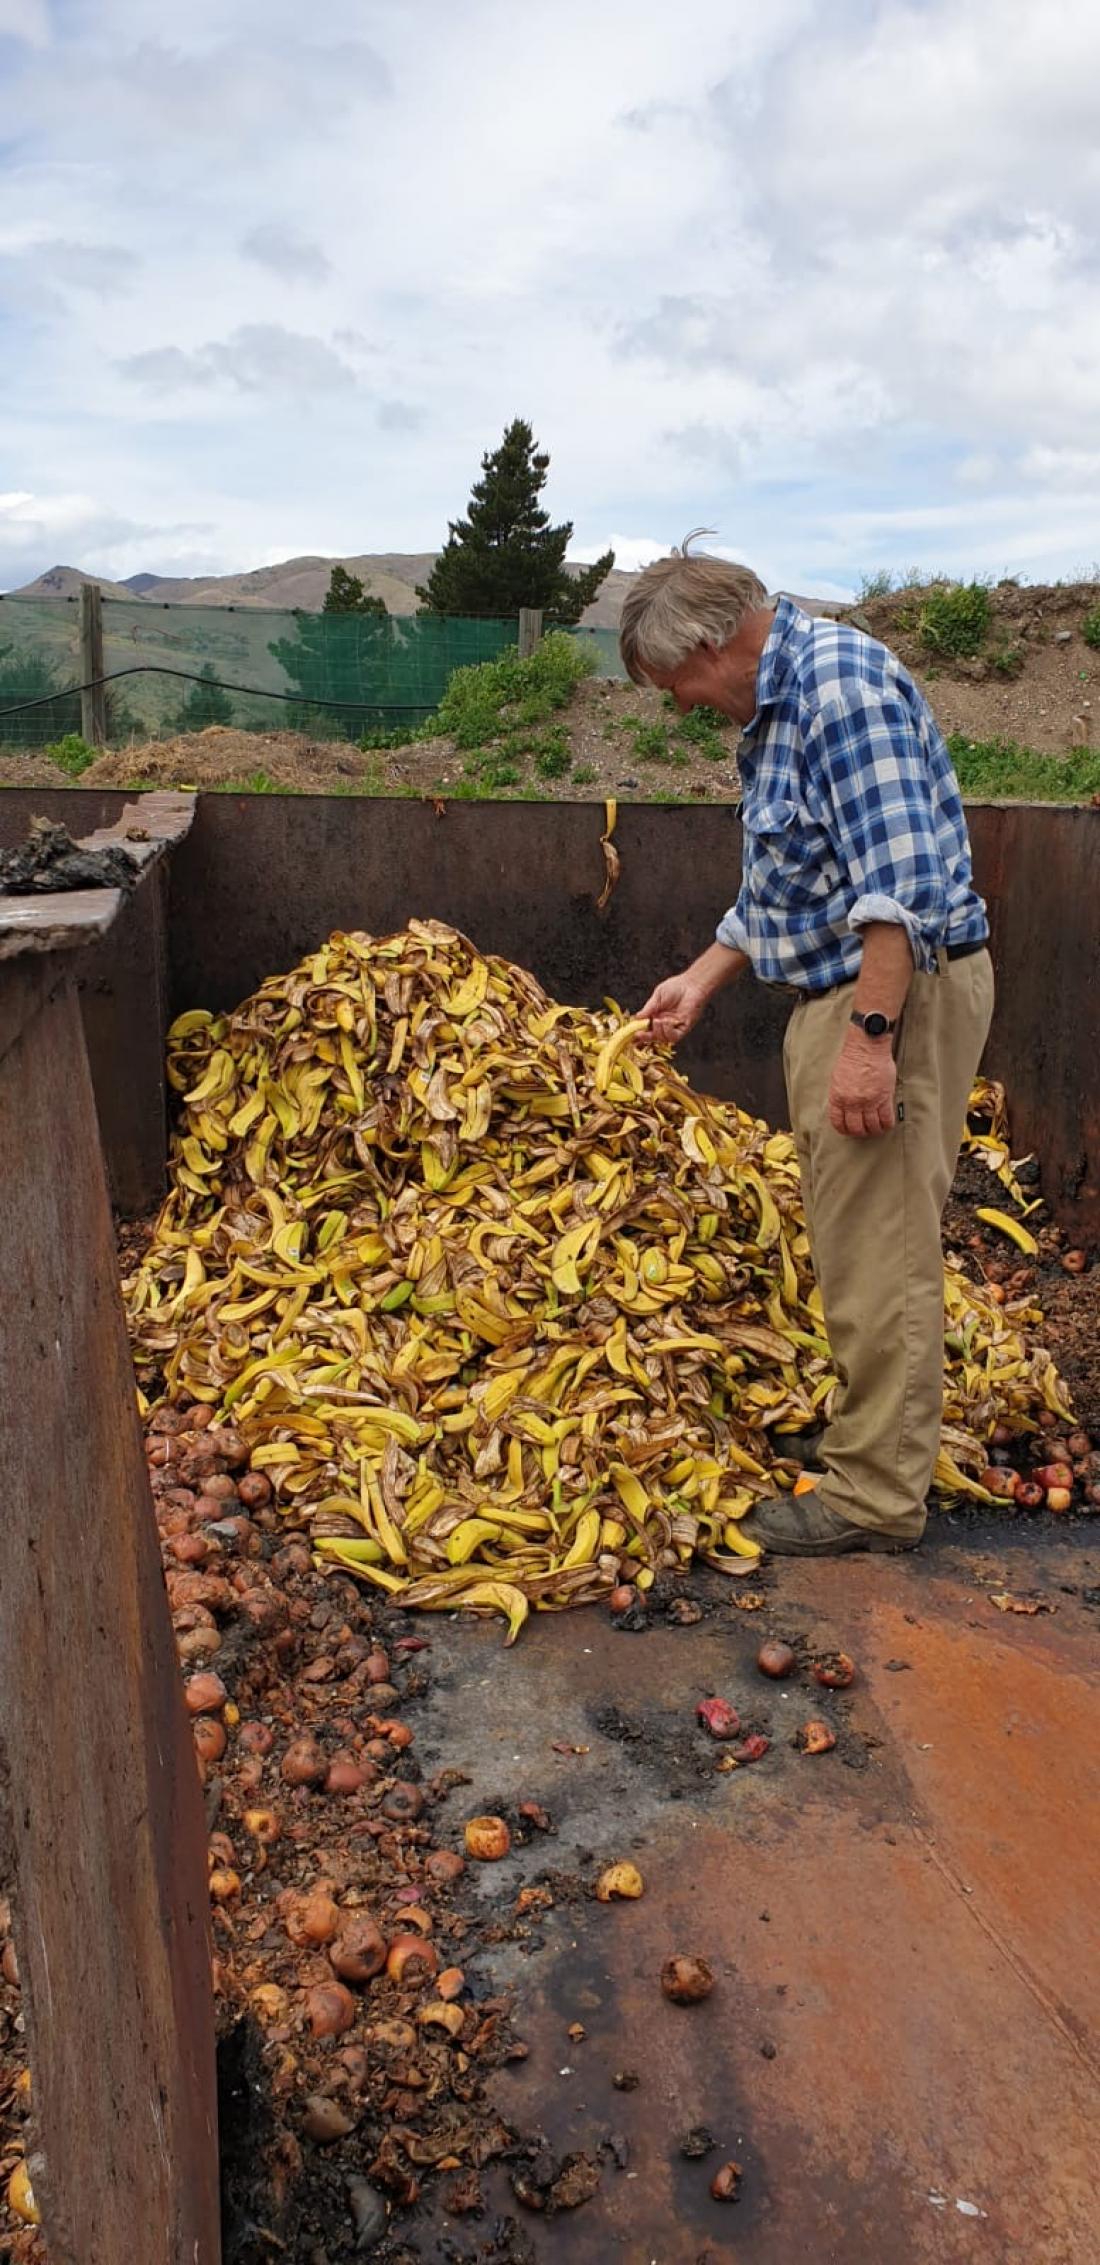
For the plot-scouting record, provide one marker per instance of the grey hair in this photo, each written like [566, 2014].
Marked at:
[683, 601]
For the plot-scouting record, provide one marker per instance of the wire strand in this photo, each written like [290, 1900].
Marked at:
[216, 684]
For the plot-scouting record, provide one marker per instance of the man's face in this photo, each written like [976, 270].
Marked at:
[698, 682]
[722, 676]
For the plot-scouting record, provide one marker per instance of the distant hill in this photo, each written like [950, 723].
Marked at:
[296, 582]
[392, 576]
[65, 582]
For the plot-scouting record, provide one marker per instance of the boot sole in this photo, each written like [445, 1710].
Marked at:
[883, 1545]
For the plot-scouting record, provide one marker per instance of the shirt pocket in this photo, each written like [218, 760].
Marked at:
[788, 859]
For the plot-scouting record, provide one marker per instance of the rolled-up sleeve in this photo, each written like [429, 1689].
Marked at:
[870, 771]
[731, 930]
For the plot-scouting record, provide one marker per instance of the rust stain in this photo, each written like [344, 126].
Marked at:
[881, 2045]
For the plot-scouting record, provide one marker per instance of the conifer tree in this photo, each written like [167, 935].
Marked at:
[345, 594]
[206, 703]
[505, 554]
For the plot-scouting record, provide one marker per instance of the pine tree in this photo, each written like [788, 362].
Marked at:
[336, 668]
[345, 594]
[505, 554]
[206, 703]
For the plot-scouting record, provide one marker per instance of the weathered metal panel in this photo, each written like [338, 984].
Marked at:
[121, 975]
[1040, 872]
[103, 1831]
[254, 887]
[78, 808]
[262, 878]
[122, 983]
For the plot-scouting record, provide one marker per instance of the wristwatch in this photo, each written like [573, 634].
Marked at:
[873, 1026]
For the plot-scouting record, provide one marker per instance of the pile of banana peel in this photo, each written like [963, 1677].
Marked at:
[504, 1310]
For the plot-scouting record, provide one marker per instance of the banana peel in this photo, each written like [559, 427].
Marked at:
[503, 1309]
[1021, 1236]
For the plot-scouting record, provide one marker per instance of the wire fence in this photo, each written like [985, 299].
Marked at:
[170, 669]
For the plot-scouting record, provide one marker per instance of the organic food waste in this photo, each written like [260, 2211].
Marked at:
[500, 1309]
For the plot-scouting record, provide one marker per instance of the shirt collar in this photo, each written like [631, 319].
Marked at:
[775, 661]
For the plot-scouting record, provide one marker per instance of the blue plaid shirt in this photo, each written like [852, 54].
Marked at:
[851, 811]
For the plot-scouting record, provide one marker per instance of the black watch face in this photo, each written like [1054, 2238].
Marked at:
[876, 1026]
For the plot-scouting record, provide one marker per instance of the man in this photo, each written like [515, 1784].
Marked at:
[857, 897]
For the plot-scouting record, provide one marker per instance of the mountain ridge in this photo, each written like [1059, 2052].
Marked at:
[296, 583]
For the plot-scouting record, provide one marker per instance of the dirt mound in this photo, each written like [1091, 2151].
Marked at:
[224, 757]
[621, 741]
[1033, 679]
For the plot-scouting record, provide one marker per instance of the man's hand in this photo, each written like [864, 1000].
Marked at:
[673, 1009]
[675, 1006]
[861, 1090]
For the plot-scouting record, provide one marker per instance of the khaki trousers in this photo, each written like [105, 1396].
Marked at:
[874, 1208]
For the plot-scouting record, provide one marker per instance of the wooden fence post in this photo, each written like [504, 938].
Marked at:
[530, 630]
[93, 694]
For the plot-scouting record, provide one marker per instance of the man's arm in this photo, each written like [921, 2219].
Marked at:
[861, 1090]
[872, 771]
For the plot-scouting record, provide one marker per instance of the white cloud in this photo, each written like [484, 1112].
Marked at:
[256, 358]
[286, 253]
[824, 278]
[74, 529]
[632, 552]
[27, 20]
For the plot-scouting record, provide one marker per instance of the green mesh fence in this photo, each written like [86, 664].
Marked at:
[39, 658]
[173, 669]
[604, 643]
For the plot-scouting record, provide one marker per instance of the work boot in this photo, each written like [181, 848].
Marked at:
[803, 1526]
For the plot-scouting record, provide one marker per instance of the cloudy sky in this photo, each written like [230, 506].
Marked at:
[821, 275]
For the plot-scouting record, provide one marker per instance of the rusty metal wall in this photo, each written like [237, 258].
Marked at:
[102, 1834]
[1039, 869]
[261, 878]
[122, 985]
[81, 809]
[518, 878]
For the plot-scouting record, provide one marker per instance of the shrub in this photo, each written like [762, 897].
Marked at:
[72, 754]
[496, 699]
[955, 620]
[705, 729]
[654, 743]
[1090, 629]
[553, 755]
[490, 768]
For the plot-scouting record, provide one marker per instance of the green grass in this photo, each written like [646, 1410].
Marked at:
[679, 741]
[705, 731]
[652, 742]
[1090, 629]
[1000, 769]
[955, 621]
